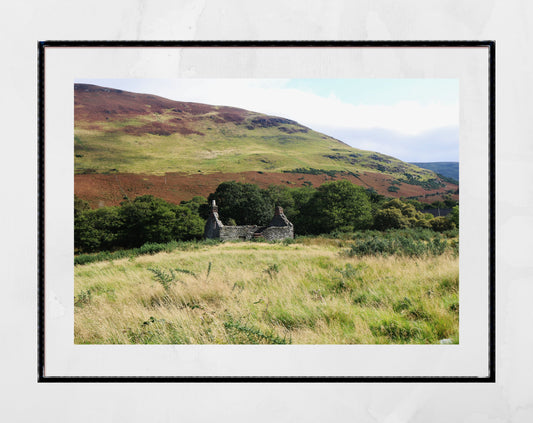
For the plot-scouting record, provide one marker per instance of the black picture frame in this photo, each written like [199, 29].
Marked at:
[41, 376]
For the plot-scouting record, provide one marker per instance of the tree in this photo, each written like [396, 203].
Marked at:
[187, 224]
[441, 224]
[98, 229]
[247, 204]
[449, 202]
[282, 196]
[194, 203]
[454, 216]
[438, 205]
[338, 205]
[80, 205]
[301, 196]
[86, 236]
[147, 219]
[374, 196]
[134, 223]
[415, 203]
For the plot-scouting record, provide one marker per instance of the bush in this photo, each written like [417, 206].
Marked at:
[408, 242]
[396, 214]
[442, 224]
[390, 218]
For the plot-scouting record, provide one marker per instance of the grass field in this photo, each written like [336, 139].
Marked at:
[306, 291]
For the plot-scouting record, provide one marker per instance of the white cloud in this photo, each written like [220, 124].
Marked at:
[434, 145]
[407, 117]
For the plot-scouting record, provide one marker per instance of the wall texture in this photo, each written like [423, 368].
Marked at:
[228, 233]
[278, 228]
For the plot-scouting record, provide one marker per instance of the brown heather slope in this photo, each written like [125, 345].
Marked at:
[111, 189]
[93, 104]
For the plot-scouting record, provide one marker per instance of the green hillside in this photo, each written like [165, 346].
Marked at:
[119, 131]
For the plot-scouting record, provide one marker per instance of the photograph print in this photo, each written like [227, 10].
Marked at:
[266, 211]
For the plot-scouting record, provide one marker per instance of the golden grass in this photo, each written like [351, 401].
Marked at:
[305, 293]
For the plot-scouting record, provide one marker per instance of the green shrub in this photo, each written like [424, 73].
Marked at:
[442, 224]
[396, 214]
[272, 270]
[83, 298]
[406, 242]
[390, 218]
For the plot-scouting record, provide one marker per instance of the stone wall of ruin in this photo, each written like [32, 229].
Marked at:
[228, 233]
[272, 233]
[279, 228]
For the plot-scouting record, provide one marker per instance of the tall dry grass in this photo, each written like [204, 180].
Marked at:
[302, 293]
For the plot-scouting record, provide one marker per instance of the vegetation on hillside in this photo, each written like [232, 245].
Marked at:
[119, 131]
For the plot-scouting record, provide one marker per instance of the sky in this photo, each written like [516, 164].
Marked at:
[415, 120]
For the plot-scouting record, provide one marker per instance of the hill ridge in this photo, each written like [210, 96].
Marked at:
[122, 132]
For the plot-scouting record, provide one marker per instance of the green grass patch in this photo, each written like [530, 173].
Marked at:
[307, 292]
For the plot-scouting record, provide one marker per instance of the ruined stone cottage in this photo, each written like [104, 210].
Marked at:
[278, 228]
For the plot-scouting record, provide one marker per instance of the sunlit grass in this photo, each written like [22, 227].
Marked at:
[301, 293]
[223, 147]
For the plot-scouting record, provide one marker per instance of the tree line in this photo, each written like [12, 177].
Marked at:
[133, 223]
[338, 206]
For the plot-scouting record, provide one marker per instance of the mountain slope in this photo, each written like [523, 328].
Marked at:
[121, 138]
[121, 131]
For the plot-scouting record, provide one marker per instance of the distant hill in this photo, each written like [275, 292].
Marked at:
[128, 144]
[449, 169]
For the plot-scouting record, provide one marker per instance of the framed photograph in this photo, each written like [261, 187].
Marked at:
[266, 211]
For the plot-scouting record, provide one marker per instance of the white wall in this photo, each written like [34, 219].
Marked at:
[507, 22]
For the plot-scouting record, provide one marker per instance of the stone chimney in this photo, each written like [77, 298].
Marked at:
[213, 223]
[279, 218]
